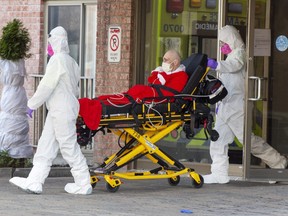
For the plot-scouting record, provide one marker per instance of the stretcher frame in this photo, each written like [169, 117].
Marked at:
[141, 132]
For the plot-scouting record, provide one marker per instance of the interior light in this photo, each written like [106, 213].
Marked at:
[174, 6]
[195, 3]
[211, 4]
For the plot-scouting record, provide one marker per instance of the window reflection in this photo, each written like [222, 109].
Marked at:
[69, 18]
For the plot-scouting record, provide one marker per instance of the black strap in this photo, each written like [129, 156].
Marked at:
[104, 110]
[132, 111]
[159, 87]
[130, 98]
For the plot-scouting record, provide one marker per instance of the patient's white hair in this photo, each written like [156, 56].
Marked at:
[175, 55]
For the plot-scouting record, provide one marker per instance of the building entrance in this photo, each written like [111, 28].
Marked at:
[266, 107]
[191, 28]
[278, 119]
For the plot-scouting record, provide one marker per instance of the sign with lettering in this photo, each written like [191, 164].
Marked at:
[262, 42]
[201, 28]
[114, 44]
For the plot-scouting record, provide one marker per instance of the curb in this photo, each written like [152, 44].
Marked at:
[24, 172]
[6, 172]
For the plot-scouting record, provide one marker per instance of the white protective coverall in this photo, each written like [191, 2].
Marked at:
[59, 89]
[230, 113]
[14, 126]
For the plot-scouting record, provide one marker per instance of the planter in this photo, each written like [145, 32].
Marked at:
[54, 172]
[6, 172]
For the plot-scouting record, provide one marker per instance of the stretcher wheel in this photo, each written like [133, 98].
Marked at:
[93, 181]
[93, 185]
[174, 181]
[112, 189]
[196, 184]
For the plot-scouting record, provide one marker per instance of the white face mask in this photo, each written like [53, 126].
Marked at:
[166, 67]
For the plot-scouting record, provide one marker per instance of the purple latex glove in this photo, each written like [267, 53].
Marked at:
[212, 63]
[29, 112]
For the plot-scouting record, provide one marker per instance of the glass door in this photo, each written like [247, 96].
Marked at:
[262, 101]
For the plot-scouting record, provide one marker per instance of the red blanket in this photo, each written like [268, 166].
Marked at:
[91, 112]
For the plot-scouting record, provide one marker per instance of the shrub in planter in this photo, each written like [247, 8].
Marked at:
[15, 41]
[7, 161]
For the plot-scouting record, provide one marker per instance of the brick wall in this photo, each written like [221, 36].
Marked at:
[31, 13]
[110, 77]
[113, 77]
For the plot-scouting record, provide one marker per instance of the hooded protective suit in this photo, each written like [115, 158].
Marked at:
[14, 126]
[59, 89]
[230, 112]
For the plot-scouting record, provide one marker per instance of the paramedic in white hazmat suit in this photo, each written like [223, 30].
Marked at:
[59, 89]
[230, 111]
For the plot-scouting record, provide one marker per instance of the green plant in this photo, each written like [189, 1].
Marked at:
[7, 161]
[15, 41]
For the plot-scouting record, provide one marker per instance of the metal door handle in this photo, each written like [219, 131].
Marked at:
[258, 81]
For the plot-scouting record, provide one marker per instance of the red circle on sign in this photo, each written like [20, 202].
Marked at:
[114, 42]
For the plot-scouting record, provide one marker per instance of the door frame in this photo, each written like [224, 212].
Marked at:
[251, 172]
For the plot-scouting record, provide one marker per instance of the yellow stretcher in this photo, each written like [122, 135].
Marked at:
[140, 126]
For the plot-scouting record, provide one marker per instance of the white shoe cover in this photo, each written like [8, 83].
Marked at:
[35, 188]
[73, 188]
[215, 179]
[19, 182]
[282, 164]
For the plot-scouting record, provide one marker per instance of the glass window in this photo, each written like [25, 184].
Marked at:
[189, 26]
[80, 22]
[69, 18]
[89, 52]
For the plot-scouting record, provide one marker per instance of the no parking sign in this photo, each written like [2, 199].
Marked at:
[114, 44]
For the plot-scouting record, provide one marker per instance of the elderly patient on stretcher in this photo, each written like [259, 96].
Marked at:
[166, 80]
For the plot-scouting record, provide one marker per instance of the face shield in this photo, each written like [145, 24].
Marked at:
[58, 40]
[231, 36]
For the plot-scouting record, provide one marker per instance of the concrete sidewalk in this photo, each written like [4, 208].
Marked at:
[147, 198]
